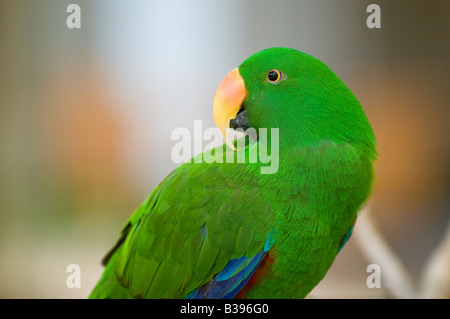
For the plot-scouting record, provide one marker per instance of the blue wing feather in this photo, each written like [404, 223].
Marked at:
[346, 237]
[227, 283]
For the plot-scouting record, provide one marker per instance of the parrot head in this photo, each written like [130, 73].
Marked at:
[298, 94]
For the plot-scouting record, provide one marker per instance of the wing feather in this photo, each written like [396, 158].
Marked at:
[198, 220]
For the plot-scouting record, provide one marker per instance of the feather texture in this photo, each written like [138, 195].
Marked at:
[215, 229]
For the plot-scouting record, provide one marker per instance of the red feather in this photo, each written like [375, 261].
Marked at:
[257, 276]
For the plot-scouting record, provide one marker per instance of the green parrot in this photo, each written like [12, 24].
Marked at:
[224, 229]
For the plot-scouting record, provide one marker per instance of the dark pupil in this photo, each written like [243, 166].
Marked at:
[273, 76]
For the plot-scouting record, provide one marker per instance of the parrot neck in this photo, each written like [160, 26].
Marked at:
[321, 178]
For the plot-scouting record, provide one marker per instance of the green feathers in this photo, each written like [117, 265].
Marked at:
[188, 230]
[310, 105]
[205, 216]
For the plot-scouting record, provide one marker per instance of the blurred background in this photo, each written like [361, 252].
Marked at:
[86, 117]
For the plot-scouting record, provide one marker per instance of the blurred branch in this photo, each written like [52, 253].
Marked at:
[395, 277]
[435, 281]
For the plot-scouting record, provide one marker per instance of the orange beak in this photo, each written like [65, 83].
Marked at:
[228, 100]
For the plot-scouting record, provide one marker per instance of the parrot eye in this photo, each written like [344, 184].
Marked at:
[274, 76]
